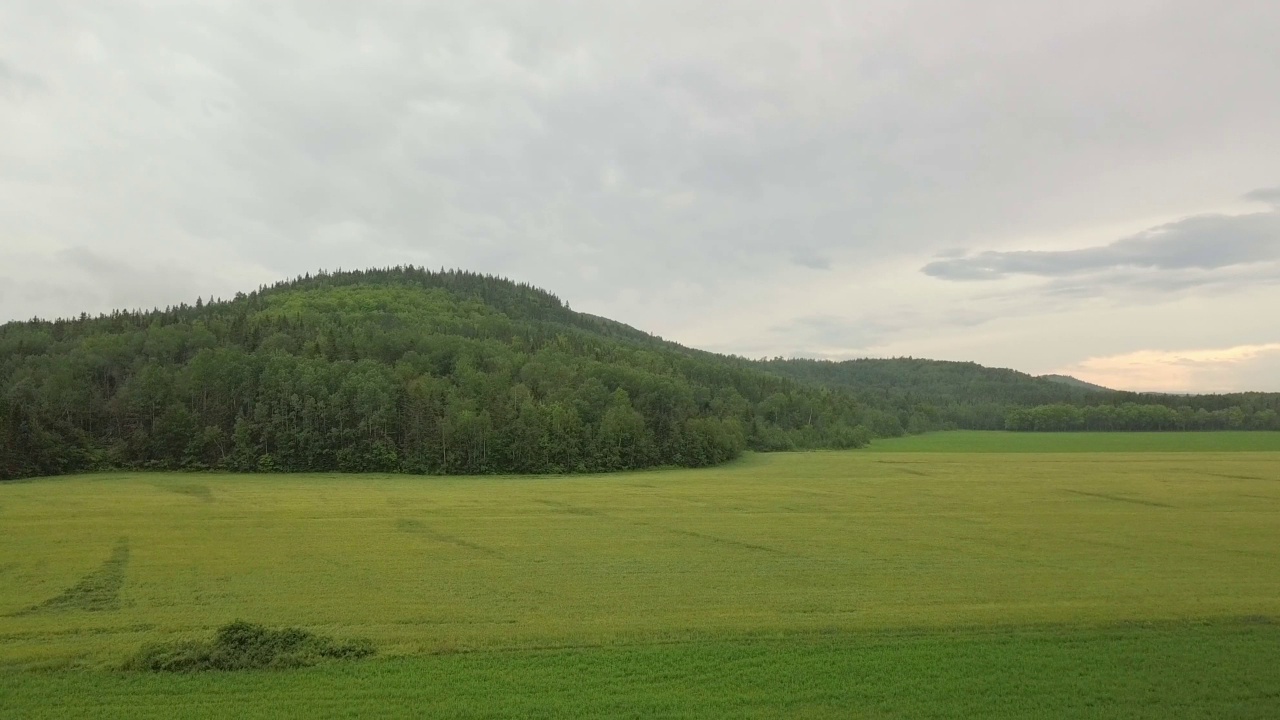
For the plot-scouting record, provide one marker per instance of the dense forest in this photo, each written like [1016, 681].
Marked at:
[1061, 417]
[933, 394]
[409, 370]
[390, 370]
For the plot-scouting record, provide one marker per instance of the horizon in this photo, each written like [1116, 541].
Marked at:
[1058, 190]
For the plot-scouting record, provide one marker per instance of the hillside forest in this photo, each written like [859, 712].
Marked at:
[409, 370]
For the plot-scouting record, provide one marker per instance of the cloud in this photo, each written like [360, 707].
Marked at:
[1200, 370]
[17, 84]
[1266, 195]
[841, 337]
[684, 166]
[831, 331]
[1131, 286]
[811, 260]
[1204, 242]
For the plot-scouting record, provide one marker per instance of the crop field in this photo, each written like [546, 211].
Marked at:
[1088, 442]
[893, 583]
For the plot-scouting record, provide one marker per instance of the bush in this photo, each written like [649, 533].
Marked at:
[246, 646]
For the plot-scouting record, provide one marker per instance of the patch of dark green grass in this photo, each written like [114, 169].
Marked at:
[98, 591]
[247, 646]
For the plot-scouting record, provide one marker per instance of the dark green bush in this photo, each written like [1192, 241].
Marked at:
[247, 646]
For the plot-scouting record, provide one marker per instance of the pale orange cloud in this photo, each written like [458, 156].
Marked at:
[1200, 370]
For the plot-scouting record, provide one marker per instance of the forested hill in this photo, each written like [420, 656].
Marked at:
[391, 370]
[404, 369]
[931, 394]
[1075, 382]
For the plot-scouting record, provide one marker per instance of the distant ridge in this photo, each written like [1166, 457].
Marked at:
[1075, 382]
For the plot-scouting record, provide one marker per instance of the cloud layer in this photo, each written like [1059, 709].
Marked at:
[753, 176]
[1204, 242]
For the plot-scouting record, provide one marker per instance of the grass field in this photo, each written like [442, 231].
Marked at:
[881, 584]
[1050, 442]
[1220, 671]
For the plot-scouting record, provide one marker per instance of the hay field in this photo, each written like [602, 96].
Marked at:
[821, 559]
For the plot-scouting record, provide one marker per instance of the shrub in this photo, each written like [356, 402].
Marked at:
[247, 646]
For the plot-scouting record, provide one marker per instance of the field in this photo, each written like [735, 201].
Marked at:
[896, 583]
[1049, 442]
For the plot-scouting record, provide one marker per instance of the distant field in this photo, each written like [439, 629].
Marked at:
[894, 584]
[1049, 442]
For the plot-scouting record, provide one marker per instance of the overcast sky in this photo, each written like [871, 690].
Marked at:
[1089, 187]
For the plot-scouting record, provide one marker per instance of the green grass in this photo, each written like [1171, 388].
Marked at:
[995, 441]
[891, 584]
[1224, 671]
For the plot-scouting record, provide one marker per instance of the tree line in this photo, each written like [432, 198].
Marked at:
[1061, 417]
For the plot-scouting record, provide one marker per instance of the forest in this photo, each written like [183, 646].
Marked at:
[1061, 417]
[391, 370]
[409, 370]
[933, 395]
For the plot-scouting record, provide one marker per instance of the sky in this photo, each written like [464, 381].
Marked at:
[1090, 188]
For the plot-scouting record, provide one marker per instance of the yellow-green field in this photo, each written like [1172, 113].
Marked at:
[1090, 442]
[850, 552]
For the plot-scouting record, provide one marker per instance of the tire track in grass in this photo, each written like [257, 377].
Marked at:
[725, 541]
[1120, 498]
[568, 509]
[197, 491]
[417, 527]
[715, 539]
[1238, 477]
[98, 591]
[588, 512]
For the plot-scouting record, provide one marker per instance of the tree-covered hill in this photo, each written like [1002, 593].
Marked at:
[1075, 382]
[400, 369]
[404, 369]
[932, 394]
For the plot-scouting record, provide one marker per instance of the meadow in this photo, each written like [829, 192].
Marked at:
[995, 441]
[897, 582]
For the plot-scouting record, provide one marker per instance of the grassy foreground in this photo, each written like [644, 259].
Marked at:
[891, 584]
[1221, 670]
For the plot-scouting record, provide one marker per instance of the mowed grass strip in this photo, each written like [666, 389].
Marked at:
[1184, 671]
[786, 543]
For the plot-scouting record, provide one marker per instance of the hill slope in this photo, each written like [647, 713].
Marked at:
[932, 394]
[404, 369]
[1074, 382]
[390, 370]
